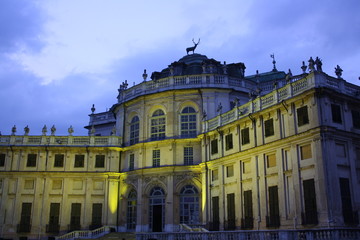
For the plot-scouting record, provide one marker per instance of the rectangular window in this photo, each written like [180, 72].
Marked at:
[347, 210]
[336, 113]
[25, 219]
[230, 171]
[79, 160]
[310, 215]
[188, 156]
[302, 116]
[215, 213]
[156, 158]
[305, 152]
[247, 221]
[31, 160]
[96, 215]
[214, 174]
[245, 136]
[271, 160]
[75, 216]
[229, 141]
[59, 160]
[53, 226]
[230, 211]
[356, 118]
[269, 127]
[100, 161]
[273, 219]
[2, 159]
[214, 146]
[131, 162]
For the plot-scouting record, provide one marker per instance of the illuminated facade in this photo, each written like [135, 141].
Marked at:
[199, 144]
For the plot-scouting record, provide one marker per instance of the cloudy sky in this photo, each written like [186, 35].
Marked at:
[58, 57]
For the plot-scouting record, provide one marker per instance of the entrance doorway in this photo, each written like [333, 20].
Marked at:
[157, 218]
[157, 209]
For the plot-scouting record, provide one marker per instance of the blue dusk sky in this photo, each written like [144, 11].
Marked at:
[58, 57]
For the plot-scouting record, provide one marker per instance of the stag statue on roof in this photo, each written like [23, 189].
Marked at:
[189, 49]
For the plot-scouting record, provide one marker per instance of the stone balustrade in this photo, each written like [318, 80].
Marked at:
[297, 234]
[293, 88]
[185, 82]
[60, 140]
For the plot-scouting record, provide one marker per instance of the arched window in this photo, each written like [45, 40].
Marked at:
[131, 211]
[157, 209]
[188, 123]
[158, 125]
[189, 205]
[134, 130]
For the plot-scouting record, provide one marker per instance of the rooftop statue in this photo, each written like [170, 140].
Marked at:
[318, 64]
[26, 130]
[53, 130]
[189, 49]
[311, 64]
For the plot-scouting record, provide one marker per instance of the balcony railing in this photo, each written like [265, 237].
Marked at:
[344, 233]
[285, 91]
[60, 140]
[86, 233]
[185, 82]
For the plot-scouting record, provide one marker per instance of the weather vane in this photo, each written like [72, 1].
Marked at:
[189, 49]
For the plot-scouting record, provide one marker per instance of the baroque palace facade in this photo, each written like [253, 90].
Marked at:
[199, 144]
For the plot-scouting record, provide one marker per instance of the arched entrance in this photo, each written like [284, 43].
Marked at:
[157, 209]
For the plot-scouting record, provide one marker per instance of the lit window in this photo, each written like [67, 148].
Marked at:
[228, 142]
[100, 161]
[230, 171]
[131, 162]
[156, 158]
[302, 116]
[336, 113]
[271, 160]
[59, 160]
[79, 161]
[214, 146]
[134, 130]
[188, 155]
[245, 136]
[31, 160]
[305, 152]
[188, 122]
[269, 127]
[158, 125]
